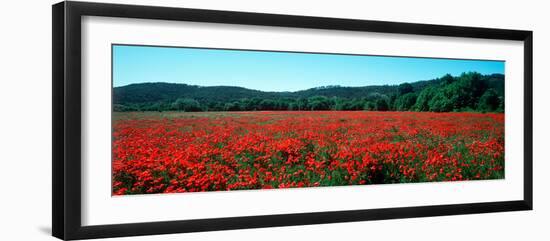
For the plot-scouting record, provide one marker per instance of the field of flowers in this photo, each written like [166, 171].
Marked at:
[213, 151]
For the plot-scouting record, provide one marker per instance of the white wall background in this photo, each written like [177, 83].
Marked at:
[25, 123]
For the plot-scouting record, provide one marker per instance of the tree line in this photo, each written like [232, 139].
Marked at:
[470, 91]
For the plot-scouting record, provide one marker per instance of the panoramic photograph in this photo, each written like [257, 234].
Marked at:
[202, 119]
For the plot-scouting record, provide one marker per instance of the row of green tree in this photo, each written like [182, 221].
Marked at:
[467, 92]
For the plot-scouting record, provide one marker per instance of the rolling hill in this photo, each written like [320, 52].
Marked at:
[162, 96]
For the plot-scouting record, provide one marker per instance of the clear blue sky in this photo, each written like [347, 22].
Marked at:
[278, 71]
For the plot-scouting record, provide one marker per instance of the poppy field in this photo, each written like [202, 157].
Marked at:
[172, 152]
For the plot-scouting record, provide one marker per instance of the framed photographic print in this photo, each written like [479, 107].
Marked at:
[170, 120]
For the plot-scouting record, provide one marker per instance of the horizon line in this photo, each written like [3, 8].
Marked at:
[292, 91]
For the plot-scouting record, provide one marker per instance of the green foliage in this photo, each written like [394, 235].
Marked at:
[423, 99]
[122, 108]
[319, 103]
[369, 105]
[381, 105]
[460, 94]
[489, 101]
[187, 105]
[467, 92]
[447, 79]
[405, 102]
[404, 88]
[440, 103]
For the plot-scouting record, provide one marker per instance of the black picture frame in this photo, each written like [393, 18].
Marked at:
[66, 128]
